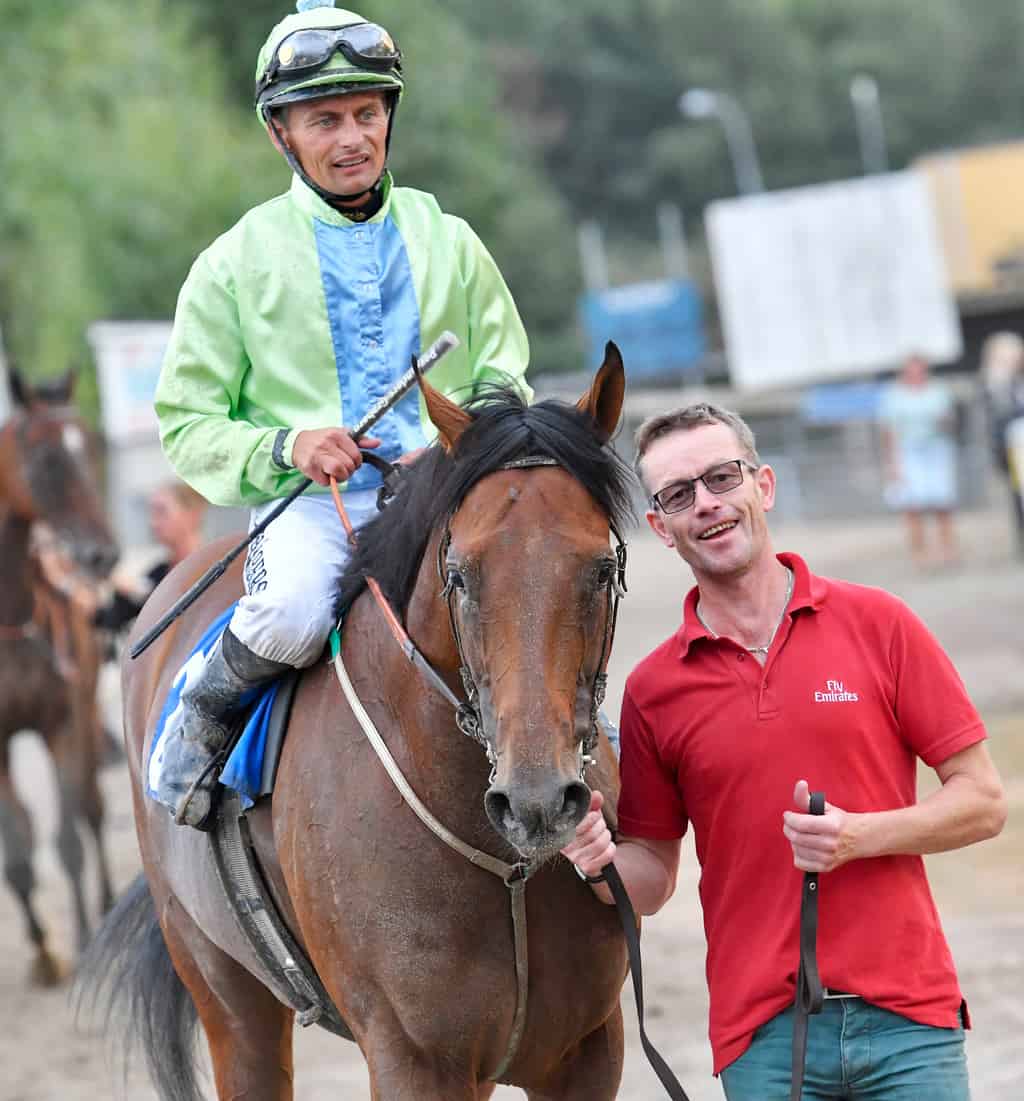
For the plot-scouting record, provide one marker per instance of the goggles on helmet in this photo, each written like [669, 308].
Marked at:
[365, 45]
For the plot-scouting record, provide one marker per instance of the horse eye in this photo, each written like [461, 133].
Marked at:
[605, 571]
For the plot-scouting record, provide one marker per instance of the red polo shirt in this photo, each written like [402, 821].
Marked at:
[855, 689]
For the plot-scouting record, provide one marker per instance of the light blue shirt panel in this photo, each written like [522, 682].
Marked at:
[374, 319]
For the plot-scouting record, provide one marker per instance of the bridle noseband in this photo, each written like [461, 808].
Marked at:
[468, 717]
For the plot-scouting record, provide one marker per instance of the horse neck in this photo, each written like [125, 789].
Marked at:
[18, 577]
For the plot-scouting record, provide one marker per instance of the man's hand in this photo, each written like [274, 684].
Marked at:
[593, 847]
[821, 842]
[321, 453]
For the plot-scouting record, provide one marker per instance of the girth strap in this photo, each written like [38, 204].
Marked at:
[287, 971]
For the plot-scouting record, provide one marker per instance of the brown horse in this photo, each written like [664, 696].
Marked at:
[414, 943]
[49, 654]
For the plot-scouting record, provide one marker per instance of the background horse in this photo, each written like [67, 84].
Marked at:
[413, 942]
[53, 534]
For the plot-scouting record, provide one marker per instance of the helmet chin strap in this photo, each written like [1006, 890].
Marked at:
[331, 198]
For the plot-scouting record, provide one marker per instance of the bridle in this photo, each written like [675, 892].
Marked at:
[469, 721]
[468, 717]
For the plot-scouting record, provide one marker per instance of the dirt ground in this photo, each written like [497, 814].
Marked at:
[977, 611]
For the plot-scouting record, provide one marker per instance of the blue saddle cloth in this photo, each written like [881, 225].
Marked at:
[244, 767]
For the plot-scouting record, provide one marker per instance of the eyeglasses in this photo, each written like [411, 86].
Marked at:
[363, 44]
[719, 479]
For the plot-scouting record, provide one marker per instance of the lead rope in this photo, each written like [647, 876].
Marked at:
[809, 994]
[514, 876]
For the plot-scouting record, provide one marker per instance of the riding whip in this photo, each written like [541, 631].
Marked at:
[444, 344]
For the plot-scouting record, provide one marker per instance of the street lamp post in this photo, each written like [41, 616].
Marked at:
[702, 103]
[867, 110]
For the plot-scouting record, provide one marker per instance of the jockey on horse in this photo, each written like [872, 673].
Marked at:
[293, 323]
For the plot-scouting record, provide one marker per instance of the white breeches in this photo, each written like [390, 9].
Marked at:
[291, 576]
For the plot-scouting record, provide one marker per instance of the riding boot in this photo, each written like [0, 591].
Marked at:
[193, 744]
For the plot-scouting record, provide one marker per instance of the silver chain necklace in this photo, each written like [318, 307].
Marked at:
[782, 615]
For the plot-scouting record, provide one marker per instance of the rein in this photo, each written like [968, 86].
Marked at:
[514, 876]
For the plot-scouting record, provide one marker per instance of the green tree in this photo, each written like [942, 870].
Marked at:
[120, 160]
[596, 84]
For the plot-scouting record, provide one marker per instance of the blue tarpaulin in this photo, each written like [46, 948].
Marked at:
[841, 401]
[658, 326]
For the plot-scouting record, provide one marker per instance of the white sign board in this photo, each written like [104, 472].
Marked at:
[128, 357]
[831, 281]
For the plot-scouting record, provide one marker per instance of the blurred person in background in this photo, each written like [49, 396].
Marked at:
[917, 416]
[176, 515]
[1002, 376]
[295, 322]
[779, 681]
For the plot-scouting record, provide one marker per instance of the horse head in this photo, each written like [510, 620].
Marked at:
[532, 583]
[47, 474]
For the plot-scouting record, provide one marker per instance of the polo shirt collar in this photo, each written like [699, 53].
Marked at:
[310, 202]
[809, 592]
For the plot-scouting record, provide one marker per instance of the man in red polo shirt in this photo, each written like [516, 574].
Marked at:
[779, 681]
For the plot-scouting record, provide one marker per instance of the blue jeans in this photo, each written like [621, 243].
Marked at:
[855, 1052]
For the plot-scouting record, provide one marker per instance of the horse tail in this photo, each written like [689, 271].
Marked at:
[125, 978]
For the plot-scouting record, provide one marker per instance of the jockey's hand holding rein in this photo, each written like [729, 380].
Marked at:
[323, 453]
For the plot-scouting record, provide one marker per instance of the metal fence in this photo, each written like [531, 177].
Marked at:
[826, 471]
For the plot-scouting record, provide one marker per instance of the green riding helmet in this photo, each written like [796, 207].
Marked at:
[322, 51]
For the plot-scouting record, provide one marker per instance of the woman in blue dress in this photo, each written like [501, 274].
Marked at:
[918, 421]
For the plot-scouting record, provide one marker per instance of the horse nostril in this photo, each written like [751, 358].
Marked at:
[498, 809]
[534, 813]
[575, 801]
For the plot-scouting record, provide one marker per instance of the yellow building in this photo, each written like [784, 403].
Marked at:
[978, 196]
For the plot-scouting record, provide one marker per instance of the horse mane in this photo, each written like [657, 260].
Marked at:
[504, 427]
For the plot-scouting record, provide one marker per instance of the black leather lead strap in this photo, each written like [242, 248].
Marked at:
[628, 919]
[809, 994]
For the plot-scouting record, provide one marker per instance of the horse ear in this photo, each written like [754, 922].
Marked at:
[603, 401]
[449, 419]
[21, 392]
[58, 391]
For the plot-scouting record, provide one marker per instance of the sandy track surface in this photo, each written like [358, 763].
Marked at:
[976, 610]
